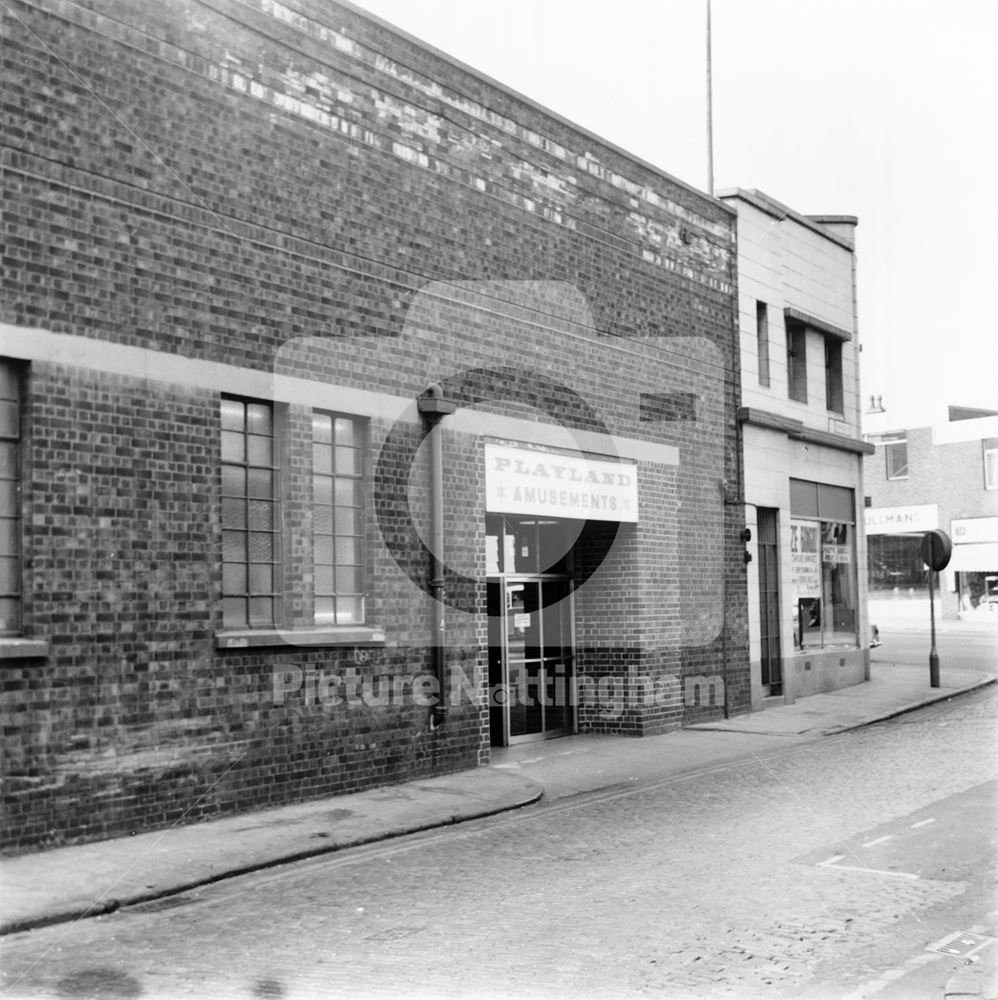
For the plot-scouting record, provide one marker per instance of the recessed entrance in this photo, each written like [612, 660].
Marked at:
[531, 645]
[770, 656]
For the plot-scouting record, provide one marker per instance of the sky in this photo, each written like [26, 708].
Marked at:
[882, 109]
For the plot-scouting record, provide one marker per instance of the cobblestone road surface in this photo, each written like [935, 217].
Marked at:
[702, 886]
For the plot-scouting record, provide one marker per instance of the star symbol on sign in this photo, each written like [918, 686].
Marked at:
[500, 492]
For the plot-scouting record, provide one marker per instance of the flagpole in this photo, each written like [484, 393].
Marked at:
[710, 114]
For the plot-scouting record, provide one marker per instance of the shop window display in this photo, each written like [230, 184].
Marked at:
[824, 581]
[824, 584]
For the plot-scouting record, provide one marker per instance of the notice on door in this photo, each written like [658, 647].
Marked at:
[805, 560]
[523, 481]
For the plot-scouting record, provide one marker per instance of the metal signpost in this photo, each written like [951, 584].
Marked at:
[936, 551]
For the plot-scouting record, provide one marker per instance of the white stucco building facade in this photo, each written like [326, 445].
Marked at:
[802, 450]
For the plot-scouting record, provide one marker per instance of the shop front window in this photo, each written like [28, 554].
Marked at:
[895, 564]
[838, 584]
[824, 580]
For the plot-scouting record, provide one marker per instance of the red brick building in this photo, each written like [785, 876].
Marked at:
[932, 470]
[359, 415]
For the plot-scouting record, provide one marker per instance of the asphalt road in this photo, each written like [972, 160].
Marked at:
[836, 868]
[964, 649]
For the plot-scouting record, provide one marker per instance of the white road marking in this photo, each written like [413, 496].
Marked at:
[833, 862]
[879, 840]
[923, 822]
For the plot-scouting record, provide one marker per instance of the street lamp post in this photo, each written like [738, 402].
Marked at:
[933, 655]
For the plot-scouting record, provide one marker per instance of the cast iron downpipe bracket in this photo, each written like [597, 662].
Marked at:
[433, 408]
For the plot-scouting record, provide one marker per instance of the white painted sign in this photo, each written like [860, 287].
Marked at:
[524, 481]
[805, 560]
[835, 554]
[966, 530]
[899, 520]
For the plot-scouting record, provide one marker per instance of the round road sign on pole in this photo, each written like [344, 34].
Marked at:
[936, 549]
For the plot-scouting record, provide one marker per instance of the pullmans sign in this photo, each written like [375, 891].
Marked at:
[522, 481]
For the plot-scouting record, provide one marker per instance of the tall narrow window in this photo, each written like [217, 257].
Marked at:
[250, 578]
[762, 340]
[338, 522]
[990, 463]
[833, 375]
[10, 501]
[896, 455]
[797, 361]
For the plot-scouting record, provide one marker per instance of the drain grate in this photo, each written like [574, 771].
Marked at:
[962, 944]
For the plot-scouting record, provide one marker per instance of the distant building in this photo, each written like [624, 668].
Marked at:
[924, 474]
[293, 304]
[801, 449]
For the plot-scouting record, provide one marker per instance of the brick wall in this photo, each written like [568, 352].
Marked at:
[948, 474]
[200, 196]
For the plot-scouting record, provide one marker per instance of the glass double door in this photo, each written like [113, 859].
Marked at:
[531, 684]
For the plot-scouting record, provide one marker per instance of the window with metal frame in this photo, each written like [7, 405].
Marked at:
[338, 518]
[896, 455]
[251, 590]
[10, 499]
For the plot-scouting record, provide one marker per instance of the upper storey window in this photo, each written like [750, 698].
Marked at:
[762, 340]
[990, 463]
[896, 455]
[833, 375]
[797, 361]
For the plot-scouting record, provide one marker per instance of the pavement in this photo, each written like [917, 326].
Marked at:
[71, 883]
[893, 614]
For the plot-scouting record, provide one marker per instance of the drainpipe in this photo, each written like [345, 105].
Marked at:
[433, 408]
[724, 596]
